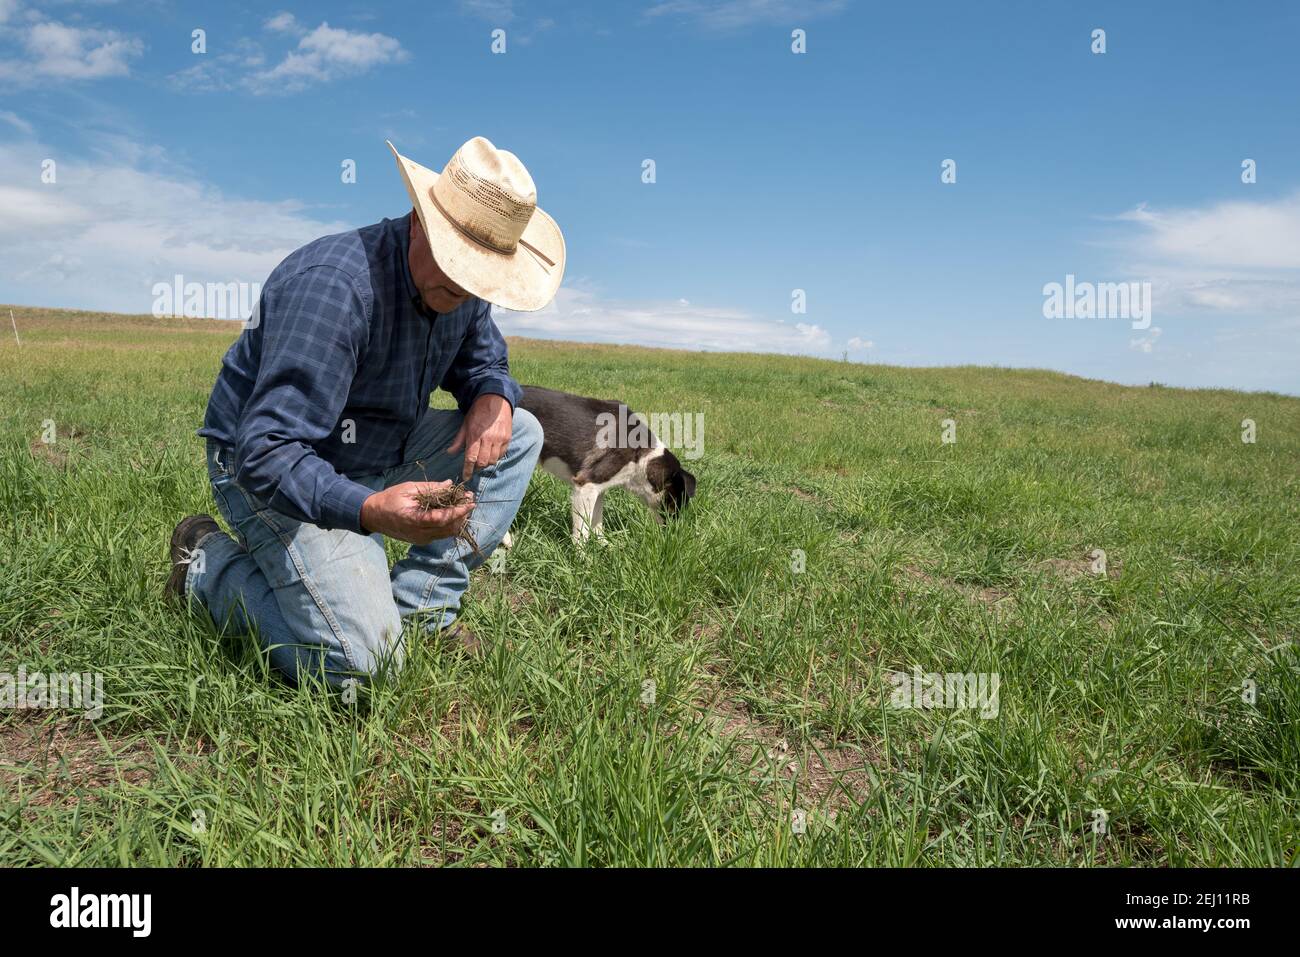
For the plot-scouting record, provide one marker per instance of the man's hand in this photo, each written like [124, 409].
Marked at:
[395, 513]
[484, 433]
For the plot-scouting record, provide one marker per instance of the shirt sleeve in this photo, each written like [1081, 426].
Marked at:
[313, 332]
[482, 366]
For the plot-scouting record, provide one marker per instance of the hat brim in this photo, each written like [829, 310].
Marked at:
[522, 280]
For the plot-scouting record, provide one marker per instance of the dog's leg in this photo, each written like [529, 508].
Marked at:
[585, 506]
[598, 516]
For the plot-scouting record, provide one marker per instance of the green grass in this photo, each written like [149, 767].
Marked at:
[1120, 691]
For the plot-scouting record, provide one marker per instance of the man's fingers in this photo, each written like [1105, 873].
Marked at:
[417, 487]
[490, 453]
[472, 455]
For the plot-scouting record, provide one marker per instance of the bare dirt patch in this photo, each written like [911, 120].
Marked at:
[488, 584]
[705, 631]
[828, 778]
[66, 444]
[1070, 569]
[49, 453]
[803, 495]
[64, 762]
[984, 595]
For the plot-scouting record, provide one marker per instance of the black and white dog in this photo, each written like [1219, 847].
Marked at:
[576, 448]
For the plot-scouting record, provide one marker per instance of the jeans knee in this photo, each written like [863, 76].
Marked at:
[526, 433]
[375, 651]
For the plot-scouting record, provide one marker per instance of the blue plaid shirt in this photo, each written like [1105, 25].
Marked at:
[333, 377]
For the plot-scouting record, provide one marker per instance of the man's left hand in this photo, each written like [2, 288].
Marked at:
[484, 433]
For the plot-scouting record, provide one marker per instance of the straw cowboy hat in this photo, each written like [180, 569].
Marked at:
[485, 228]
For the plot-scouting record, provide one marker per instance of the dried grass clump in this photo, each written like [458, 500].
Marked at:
[449, 497]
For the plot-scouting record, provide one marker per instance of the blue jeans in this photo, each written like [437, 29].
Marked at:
[324, 602]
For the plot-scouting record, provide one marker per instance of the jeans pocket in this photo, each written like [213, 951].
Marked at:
[265, 535]
[270, 539]
[218, 461]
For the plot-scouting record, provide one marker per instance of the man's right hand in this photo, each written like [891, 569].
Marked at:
[395, 513]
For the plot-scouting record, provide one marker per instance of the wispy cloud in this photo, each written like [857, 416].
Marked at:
[580, 313]
[1256, 235]
[323, 54]
[732, 14]
[224, 71]
[283, 23]
[16, 121]
[115, 224]
[49, 50]
[326, 54]
[1240, 257]
[500, 12]
[1147, 342]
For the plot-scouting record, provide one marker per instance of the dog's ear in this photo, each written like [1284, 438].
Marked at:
[688, 485]
[659, 471]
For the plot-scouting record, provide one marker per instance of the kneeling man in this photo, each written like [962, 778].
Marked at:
[319, 431]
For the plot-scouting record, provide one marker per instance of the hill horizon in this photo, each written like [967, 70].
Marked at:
[47, 313]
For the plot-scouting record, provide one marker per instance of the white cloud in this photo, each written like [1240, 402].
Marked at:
[221, 72]
[7, 9]
[322, 55]
[56, 51]
[1257, 235]
[111, 227]
[858, 344]
[326, 54]
[1238, 257]
[283, 23]
[1147, 342]
[730, 14]
[579, 313]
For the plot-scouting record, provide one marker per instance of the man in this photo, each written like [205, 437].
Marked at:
[319, 431]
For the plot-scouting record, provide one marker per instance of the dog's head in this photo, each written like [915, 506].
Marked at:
[673, 485]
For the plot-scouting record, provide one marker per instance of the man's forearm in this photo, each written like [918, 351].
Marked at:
[293, 480]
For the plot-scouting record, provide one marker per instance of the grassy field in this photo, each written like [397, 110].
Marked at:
[771, 738]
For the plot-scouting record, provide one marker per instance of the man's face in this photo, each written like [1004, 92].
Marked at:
[438, 291]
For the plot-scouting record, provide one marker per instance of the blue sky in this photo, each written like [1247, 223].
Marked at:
[775, 171]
